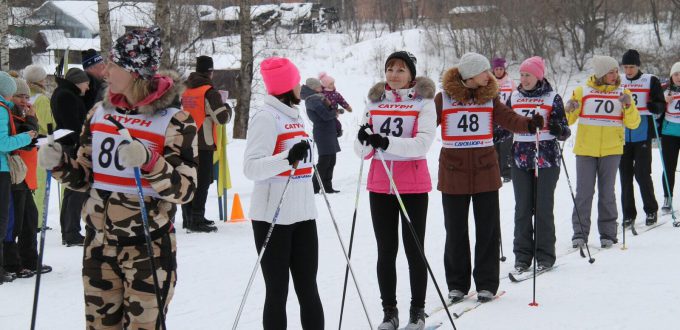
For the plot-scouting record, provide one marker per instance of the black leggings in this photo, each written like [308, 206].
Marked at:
[385, 212]
[22, 251]
[670, 145]
[295, 249]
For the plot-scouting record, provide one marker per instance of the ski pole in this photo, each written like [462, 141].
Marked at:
[351, 235]
[342, 243]
[573, 198]
[46, 204]
[538, 132]
[415, 236]
[676, 223]
[500, 242]
[263, 248]
[145, 222]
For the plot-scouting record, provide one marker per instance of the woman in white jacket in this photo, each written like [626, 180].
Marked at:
[277, 144]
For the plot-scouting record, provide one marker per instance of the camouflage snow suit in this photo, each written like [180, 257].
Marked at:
[117, 278]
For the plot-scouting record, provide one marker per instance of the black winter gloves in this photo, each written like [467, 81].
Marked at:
[556, 129]
[298, 152]
[374, 140]
[363, 135]
[536, 122]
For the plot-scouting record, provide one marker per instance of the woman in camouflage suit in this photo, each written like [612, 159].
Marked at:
[117, 278]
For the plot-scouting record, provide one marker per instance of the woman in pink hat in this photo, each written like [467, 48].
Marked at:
[277, 150]
[535, 95]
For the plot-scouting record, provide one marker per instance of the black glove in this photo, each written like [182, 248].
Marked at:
[536, 122]
[363, 135]
[378, 141]
[556, 129]
[298, 152]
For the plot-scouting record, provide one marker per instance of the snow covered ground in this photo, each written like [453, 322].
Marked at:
[623, 289]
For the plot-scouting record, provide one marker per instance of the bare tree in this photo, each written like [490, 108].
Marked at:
[655, 20]
[104, 27]
[162, 19]
[4, 35]
[246, 74]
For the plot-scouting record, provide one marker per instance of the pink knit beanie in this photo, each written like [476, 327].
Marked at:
[533, 65]
[279, 74]
[325, 79]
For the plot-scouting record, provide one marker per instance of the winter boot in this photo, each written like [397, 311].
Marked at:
[628, 222]
[520, 268]
[200, 227]
[543, 267]
[6, 276]
[666, 204]
[208, 222]
[578, 243]
[391, 318]
[455, 296]
[416, 320]
[606, 243]
[651, 219]
[484, 296]
[73, 240]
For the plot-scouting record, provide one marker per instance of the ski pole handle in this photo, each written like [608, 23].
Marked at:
[121, 129]
[50, 135]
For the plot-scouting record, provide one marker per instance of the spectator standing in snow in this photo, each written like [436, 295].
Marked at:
[670, 131]
[117, 278]
[535, 95]
[9, 142]
[277, 144]
[602, 108]
[324, 132]
[204, 103]
[636, 160]
[21, 251]
[402, 118]
[95, 67]
[468, 170]
[69, 112]
[506, 87]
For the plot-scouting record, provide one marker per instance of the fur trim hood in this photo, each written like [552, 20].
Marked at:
[168, 99]
[424, 88]
[452, 84]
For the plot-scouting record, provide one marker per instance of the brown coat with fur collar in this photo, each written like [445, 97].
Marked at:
[473, 170]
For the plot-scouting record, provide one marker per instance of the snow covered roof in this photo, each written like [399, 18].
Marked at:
[20, 13]
[470, 10]
[16, 42]
[56, 39]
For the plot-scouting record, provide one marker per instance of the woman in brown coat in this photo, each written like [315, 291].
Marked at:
[468, 170]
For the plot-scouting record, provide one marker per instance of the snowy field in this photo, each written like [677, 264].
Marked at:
[623, 289]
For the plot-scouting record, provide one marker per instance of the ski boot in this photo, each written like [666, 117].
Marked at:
[416, 319]
[391, 318]
[651, 219]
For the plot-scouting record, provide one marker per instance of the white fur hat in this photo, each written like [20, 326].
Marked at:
[472, 64]
[675, 68]
[34, 73]
[603, 64]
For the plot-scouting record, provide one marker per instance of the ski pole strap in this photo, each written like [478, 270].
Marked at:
[121, 129]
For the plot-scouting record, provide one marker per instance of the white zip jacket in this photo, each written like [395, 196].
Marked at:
[259, 165]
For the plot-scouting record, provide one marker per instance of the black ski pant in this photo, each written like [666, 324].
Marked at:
[457, 251]
[325, 166]
[71, 207]
[385, 212]
[523, 244]
[504, 153]
[5, 182]
[670, 146]
[22, 250]
[292, 248]
[196, 208]
[636, 161]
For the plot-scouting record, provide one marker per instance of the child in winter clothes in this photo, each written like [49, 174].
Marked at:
[670, 134]
[277, 151]
[467, 108]
[503, 144]
[402, 118]
[536, 95]
[334, 97]
[117, 275]
[21, 251]
[9, 142]
[602, 108]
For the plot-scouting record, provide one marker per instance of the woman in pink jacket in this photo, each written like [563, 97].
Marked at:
[402, 117]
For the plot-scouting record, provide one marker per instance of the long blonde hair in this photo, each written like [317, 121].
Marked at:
[141, 88]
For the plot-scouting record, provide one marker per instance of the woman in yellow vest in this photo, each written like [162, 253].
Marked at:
[602, 108]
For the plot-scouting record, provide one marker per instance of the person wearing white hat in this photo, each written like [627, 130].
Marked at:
[602, 108]
[670, 134]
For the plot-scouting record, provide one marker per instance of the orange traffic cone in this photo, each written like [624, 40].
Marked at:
[237, 210]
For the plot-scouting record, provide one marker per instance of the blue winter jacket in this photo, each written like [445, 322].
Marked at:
[656, 105]
[9, 143]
